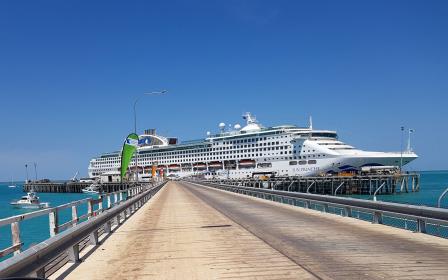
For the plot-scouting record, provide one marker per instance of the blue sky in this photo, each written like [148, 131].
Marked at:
[71, 70]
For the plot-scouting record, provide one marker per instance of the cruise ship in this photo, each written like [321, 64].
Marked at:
[249, 151]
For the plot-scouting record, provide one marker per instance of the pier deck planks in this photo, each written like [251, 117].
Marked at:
[191, 232]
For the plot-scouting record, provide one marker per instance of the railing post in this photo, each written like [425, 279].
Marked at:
[100, 204]
[326, 210]
[348, 211]
[53, 218]
[74, 215]
[421, 226]
[118, 219]
[377, 217]
[307, 204]
[73, 253]
[89, 209]
[108, 201]
[115, 198]
[121, 196]
[93, 237]
[15, 233]
[107, 227]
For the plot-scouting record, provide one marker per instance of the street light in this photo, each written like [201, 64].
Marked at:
[401, 148]
[35, 170]
[135, 121]
[27, 177]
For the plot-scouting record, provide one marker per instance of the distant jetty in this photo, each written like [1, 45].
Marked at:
[74, 187]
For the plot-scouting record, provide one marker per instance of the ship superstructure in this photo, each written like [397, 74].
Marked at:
[249, 151]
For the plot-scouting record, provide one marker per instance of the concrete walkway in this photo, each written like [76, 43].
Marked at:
[178, 236]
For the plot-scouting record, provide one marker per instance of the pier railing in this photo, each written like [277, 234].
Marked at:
[429, 220]
[69, 238]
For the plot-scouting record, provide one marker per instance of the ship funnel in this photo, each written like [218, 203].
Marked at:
[150, 131]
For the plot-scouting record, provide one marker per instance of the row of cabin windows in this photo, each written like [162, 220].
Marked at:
[234, 157]
[192, 153]
[209, 159]
[196, 152]
[230, 157]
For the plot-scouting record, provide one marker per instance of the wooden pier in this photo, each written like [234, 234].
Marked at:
[343, 185]
[75, 187]
[193, 232]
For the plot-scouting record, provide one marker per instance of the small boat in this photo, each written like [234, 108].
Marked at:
[92, 189]
[30, 200]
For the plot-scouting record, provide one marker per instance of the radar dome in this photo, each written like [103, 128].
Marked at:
[237, 126]
[222, 125]
[208, 133]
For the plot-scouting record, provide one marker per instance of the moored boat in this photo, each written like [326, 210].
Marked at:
[92, 189]
[30, 200]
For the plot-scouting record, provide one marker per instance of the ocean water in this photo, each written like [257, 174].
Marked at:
[432, 185]
[33, 231]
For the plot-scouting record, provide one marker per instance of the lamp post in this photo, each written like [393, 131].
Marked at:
[135, 121]
[35, 170]
[401, 148]
[27, 177]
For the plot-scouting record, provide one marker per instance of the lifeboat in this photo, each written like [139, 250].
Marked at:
[200, 165]
[215, 164]
[133, 168]
[174, 166]
[246, 163]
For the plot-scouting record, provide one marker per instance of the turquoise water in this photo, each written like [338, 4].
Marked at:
[432, 184]
[33, 231]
